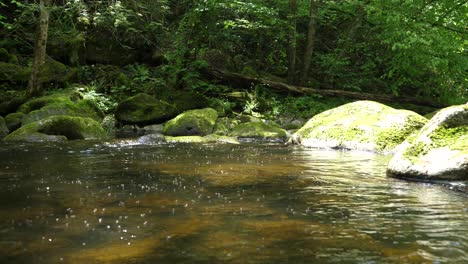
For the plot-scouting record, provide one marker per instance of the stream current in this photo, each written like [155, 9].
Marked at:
[120, 202]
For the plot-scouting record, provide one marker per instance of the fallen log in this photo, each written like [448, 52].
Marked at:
[236, 79]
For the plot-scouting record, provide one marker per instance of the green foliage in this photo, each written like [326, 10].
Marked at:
[407, 47]
[242, 27]
[103, 102]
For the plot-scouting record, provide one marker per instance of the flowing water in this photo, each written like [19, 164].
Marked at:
[88, 202]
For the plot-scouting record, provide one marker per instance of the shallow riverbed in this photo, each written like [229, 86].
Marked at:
[118, 202]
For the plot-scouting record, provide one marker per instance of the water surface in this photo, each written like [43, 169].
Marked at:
[88, 202]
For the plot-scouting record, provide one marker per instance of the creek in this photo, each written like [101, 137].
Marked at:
[120, 202]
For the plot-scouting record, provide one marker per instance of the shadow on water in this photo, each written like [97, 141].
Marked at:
[88, 202]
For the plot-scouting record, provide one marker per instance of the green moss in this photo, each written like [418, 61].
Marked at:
[81, 109]
[67, 126]
[455, 138]
[395, 135]
[60, 103]
[38, 103]
[258, 130]
[143, 109]
[192, 122]
[224, 125]
[185, 139]
[13, 120]
[13, 72]
[53, 70]
[362, 125]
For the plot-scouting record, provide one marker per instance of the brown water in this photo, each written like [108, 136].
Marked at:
[85, 202]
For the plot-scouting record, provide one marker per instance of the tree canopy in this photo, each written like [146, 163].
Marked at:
[395, 47]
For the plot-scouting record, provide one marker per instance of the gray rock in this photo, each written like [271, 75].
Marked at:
[438, 152]
[151, 139]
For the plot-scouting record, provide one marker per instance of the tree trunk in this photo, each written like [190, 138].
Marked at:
[309, 51]
[239, 80]
[34, 85]
[292, 41]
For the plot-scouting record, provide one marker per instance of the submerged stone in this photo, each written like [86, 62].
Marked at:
[58, 127]
[258, 130]
[144, 109]
[152, 139]
[362, 125]
[438, 151]
[192, 122]
[213, 138]
[185, 139]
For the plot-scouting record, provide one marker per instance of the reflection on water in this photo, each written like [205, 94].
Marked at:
[85, 202]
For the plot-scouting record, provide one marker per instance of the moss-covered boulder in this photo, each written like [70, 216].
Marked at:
[438, 151]
[10, 105]
[57, 128]
[143, 109]
[192, 122]
[184, 101]
[3, 128]
[362, 125]
[258, 130]
[52, 71]
[66, 103]
[82, 108]
[185, 139]
[13, 72]
[224, 126]
[13, 120]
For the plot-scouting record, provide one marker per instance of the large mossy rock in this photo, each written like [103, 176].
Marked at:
[58, 128]
[10, 105]
[185, 101]
[3, 128]
[438, 151]
[362, 125]
[13, 120]
[66, 103]
[51, 71]
[192, 122]
[143, 109]
[258, 130]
